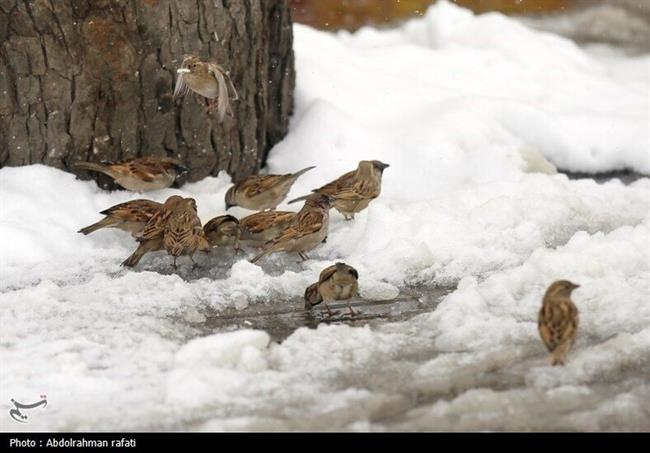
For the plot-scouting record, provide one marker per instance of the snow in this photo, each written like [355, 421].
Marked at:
[473, 114]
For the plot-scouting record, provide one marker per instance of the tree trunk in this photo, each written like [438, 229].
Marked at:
[92, 80]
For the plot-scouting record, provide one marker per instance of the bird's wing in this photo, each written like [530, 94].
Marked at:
[134, 210]
[259, 184]
[144, 169]
[261, 221]
[326, 274]
[155, 227]
[181, 88]
[215, 223]
[231, 91]
[223, 99]
[183, 231]
[308, 222]
[343, 182]
[361, 189]
[312, 295]
[557, 324]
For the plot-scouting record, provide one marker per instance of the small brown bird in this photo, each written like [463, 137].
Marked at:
[183, 234]
[558, 320]
[308, 228]
[151, 237]
[130, 216]
[223, 231]
[261, 227]
[139, 174]
[262, 191]
[354, 190]
[208, 80]
[337, 282]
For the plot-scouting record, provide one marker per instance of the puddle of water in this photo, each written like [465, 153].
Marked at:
[279, 323]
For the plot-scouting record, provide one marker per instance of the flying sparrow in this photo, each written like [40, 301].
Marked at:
[223, 231]
[130, 216]
[208, 80]
[558, 320]
[354, 190]
[307, 229]
[183, 234]
[151, 237]
[140, 174]
[336, 282]
[262, 191]
[261, 227]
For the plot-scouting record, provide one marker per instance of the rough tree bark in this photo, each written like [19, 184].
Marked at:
[92, 80]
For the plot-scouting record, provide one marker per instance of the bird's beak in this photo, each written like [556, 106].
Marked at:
[384, 166]
[182, 70]
[228, 206]
[575, 286]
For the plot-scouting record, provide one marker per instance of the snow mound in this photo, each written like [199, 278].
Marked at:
[473, 114]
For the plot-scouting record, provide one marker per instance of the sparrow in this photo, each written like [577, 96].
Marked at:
[139, 174]
[558, 320]
[151, 237]
[130, 216]
[208, 80]
[307, 229]
[354, 190]
[262, 192]
[183, 234]
[223, 231]
[261, 227]
[336, 282]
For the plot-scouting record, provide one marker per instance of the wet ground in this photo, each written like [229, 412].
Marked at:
[280, 323]
[625, 176]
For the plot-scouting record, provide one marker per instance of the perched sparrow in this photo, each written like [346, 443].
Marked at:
[208, 80]
[183, 234]
[140, 174]
[262, 192]
[558, 320]
[223, 231]
[337, 282]
[354, 190]
[130, 216]
[151, 237]
[307, 229]
[261, 227]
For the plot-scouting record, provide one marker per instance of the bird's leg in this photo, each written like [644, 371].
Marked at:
[194, 263]
[352, 312]
[330, 313]
[324, 240]
[303, 255]
[174, 264]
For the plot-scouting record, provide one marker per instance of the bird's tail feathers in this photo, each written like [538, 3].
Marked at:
[92, 166]
[295, 200]
[104, 223]
[299, 173]
[134, 259]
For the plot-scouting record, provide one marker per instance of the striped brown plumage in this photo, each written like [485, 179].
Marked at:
[558, 320]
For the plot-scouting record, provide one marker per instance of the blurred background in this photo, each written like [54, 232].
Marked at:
[618, 22]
